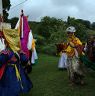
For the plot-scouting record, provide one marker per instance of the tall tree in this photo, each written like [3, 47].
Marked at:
[6, 7]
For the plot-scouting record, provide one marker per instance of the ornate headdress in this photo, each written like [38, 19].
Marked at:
[71, 29]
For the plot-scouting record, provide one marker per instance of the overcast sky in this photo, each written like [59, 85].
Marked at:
[36, 9]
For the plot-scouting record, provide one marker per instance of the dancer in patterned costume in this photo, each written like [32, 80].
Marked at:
[74, 50]
[13, 79]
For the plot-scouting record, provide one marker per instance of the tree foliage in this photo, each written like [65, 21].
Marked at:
[6, 7]
[93, 25]
[13, 22]
[49, 26]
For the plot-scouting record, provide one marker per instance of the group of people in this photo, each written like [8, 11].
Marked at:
[17, 54]
[15, 65]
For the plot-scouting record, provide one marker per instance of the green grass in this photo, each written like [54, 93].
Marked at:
[49, 81]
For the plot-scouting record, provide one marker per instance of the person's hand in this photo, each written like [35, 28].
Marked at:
[71, 44]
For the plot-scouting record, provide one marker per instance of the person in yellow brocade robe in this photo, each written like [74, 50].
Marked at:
[75, 73]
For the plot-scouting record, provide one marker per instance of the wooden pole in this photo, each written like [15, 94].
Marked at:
[1, 15]
[1, 8]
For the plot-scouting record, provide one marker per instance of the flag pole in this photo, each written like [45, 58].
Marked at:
[1, 16]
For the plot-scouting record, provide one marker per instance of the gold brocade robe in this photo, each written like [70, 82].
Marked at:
[72, 42]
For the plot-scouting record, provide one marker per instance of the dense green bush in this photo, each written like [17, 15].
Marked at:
[40, 39]
[49, 49]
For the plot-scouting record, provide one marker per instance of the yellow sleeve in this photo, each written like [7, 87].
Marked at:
[68, 49]
[78, 41]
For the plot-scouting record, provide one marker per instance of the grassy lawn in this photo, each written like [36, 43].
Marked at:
[49, 81]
